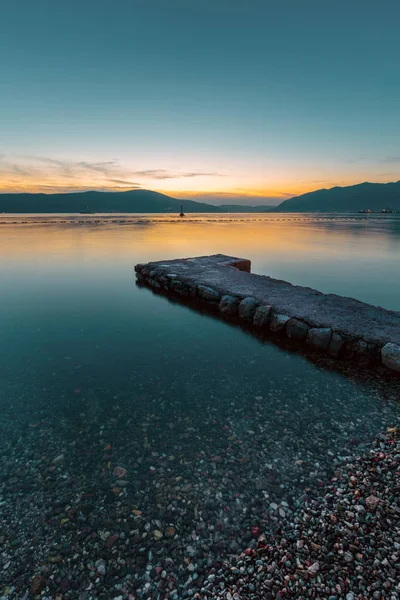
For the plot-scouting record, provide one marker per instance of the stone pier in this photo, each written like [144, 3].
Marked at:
[336, 325]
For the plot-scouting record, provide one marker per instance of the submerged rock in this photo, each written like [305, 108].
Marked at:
[119, 472]
[262, 315]
[228, 305]
[170, 532]
[157, 534]
[110, 541]
[319, 337]
[296, 329]
[247, 308]
[391, 356]
[58, 459]
[100, 567]
[372, 502]
[208, 293]
[336, 344]
[36, 585]
[278, 322]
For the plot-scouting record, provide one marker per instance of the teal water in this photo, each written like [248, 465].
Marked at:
[73, 318]
[200, 413]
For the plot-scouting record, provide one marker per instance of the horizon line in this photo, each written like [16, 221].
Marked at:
[225, 195]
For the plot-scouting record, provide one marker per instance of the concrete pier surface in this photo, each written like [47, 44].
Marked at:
[336, 325]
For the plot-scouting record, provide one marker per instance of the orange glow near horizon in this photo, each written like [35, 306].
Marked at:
[205, 194]
[48, 183]
[50, 187]
[215, 182]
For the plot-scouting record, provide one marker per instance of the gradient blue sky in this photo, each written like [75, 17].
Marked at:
[210, 99]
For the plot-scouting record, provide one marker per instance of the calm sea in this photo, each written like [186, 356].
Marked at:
[202, 416]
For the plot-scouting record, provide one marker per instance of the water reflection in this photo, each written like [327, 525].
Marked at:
[353, 256]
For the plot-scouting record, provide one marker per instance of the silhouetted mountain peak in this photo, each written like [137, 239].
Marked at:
[124, 201]
[352, 198]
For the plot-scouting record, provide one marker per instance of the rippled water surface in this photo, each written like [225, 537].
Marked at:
[217, 431]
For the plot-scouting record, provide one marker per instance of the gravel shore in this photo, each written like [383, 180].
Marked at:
[106, 497]
[345, 544]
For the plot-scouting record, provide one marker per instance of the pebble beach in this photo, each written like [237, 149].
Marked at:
[344, 544]
[167, 507]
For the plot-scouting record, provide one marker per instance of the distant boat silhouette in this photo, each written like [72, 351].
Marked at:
[181, 214]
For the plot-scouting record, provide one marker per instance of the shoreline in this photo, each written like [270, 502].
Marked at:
[343, 545]
[121, 218]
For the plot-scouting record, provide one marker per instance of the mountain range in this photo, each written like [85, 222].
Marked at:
[130, 201]
[364, 196]
[353, 198]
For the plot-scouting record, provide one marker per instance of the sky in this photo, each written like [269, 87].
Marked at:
[222, 101]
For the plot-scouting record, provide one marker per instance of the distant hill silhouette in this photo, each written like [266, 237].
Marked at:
[372, 196]
[125, 202]
[131, 201]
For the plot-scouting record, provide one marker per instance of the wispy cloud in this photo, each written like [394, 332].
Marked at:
[18, 170]
[200, 174]
[166, 174]
[44, 159]
[99, 167]
[64, 168]
[247, 192]
[131, 184]
[43, 172]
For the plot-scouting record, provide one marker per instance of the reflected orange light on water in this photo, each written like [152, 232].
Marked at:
[350, 256]
[288, 239]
